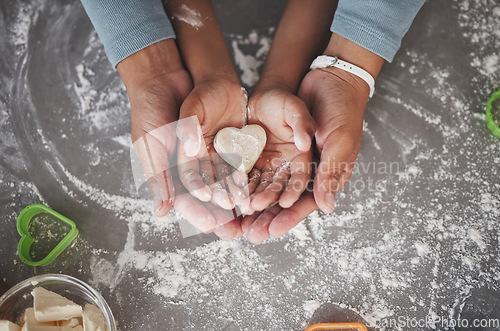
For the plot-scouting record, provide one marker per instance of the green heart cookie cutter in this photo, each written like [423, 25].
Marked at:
[490, 121]
[23, 222]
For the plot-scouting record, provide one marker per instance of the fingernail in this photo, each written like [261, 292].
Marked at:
[303, 144]
[204, 193]
[275, 235]
[330, 201]
[274, 232]
[250, 237]
[246, 210]
[157, 206]
[240, 178]
[191, 145]
[256, 242]
[208, 223]
[285, 204]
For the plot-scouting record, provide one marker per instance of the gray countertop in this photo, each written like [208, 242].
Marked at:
[415, 234]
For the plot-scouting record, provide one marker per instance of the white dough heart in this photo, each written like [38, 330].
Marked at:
[241, 148]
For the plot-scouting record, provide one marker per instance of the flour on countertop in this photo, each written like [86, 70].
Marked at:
[482, 28]
[250, 62]
[310, 306]
[407, 247]
[189, 16]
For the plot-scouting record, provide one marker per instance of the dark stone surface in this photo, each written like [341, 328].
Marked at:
[425, 244]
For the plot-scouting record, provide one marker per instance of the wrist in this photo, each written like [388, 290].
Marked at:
[156, 59]
[208, 67]
[269, 82]
[351, 52]
[203, 47]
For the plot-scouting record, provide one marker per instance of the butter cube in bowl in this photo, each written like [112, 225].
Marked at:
[54, 303]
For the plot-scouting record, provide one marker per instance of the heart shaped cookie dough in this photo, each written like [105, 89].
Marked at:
[241, 148]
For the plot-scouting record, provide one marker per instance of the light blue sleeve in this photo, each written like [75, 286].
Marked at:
[127, 26]
[377, 25]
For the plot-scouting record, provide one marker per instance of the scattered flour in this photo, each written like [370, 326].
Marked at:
[415, 246]
[422, 248]
[311, 306]
[250, 63]
[481, 24]
[491, 64]
[20, 34]
[477, 237]
[189, 16]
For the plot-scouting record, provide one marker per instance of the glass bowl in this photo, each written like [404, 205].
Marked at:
[15, 301]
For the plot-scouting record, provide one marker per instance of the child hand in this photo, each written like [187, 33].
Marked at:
[215, 104]
[284, 168]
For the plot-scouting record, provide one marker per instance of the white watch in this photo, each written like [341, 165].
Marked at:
[325, 61]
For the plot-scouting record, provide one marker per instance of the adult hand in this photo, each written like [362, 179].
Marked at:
[334, 97]
[157, 84]
[337, 100]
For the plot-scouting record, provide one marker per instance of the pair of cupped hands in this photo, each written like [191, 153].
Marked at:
[295, 174]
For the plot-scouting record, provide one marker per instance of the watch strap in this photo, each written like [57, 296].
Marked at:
[325, 61]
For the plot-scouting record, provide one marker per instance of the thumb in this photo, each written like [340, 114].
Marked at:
[188, 127]
[336, 158]
[298, 117]
[152, 151]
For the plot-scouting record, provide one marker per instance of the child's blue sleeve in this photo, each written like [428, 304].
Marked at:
[377, 25]
[127, 26]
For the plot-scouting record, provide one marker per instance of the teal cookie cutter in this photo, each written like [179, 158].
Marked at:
[35, 219]
[490, 121]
